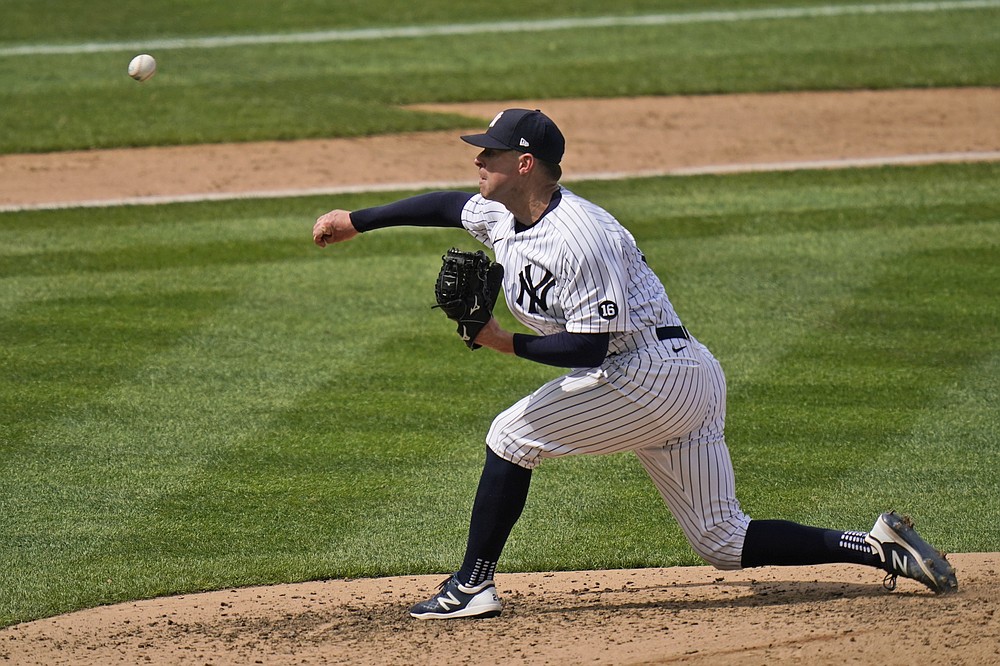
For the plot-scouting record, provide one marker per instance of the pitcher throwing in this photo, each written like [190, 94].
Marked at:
[638, 380]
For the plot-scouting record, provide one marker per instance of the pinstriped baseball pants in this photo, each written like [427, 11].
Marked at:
[669, 408]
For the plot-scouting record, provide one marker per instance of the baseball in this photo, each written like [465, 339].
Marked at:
[142, 67]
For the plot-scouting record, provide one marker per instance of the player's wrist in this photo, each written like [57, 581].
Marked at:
[496, 338]
[350, 221]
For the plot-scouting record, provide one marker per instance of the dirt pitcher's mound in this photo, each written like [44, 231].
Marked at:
[830, 614]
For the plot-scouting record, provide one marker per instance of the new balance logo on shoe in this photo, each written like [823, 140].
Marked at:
[899, 561]
[448, 602]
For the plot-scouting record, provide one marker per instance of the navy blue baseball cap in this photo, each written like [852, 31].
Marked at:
[523, 130]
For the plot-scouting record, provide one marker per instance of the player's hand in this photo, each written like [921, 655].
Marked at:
[333, 227]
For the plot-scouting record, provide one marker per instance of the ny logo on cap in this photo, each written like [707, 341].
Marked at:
[496, 118]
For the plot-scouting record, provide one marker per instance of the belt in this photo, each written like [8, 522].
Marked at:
[672, 333]
[646, 337]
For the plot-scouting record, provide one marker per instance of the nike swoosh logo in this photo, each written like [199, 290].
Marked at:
[677, 349]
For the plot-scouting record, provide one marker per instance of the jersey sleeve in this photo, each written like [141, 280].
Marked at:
[480, 215]
[595, 295]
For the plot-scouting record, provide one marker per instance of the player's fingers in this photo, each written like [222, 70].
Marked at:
[322, 233]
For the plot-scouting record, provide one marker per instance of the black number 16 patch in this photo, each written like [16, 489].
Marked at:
[608, 309]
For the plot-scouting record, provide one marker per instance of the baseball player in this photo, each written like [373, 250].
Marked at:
[637, 380]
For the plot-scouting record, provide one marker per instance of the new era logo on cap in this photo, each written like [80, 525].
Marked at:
[523, 130]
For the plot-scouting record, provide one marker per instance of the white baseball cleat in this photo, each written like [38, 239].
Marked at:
[455, 600]
[905, 553]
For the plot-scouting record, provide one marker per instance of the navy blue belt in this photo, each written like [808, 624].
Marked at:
[672, 333]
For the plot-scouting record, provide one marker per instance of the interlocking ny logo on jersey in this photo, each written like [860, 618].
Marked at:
[537, 292]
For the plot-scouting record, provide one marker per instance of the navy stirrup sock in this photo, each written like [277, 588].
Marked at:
[783, 543]
[500, 499]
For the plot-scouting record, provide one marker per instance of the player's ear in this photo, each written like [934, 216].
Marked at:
[525, 163]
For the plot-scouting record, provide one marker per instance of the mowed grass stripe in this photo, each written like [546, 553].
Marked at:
[499, 27]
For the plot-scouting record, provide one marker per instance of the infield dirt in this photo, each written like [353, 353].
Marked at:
[604, 137]
[830, 614]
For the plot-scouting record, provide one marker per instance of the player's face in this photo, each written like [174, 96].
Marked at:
[497, 169]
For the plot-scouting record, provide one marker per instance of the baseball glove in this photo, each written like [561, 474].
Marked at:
[466, 289]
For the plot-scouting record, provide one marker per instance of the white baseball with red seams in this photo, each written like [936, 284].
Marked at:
[142, 67]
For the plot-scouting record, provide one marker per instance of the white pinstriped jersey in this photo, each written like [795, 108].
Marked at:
[579, 270]
[576, 270]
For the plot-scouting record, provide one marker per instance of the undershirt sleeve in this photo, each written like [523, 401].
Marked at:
[435, 209]
[565, 349]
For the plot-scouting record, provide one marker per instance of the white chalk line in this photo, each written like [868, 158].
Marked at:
[540, 25]
[719, 169]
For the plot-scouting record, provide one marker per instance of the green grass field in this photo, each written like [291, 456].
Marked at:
[195, 397]
[199, 397]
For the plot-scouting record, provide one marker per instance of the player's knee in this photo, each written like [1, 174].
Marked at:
[726, 561]
[721, 545]
[500, 440]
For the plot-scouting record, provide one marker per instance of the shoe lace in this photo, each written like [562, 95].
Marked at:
[445, 582]
[889, 582]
